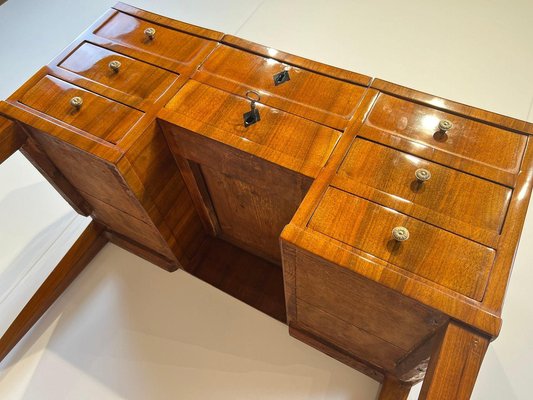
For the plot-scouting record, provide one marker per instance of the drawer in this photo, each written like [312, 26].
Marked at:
[129, 76]
[314, 96]
[279, 137]
[432, 253]
[468, 139]
[448, 192]
[165, 42]
[53, 97]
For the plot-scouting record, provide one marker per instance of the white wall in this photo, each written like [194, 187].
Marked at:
[104, 338]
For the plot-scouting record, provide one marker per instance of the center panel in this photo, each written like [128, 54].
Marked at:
[251, 215]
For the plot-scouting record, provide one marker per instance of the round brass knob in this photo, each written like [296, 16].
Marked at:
[115, 65]
[445, 125]
[400, 234]
[422, 175]
[150, 33]
[76, 102]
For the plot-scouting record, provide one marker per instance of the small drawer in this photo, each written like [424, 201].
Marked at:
[153, 38]
[119, 72]
[429, 252]
[465, 138]
[314, 96]
[279, 137]
[55, 98]
[452, 195]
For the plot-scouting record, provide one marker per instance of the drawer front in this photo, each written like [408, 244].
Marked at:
[279, 137]
[449, 192]
[53, 97]
[129, 76]
[466, 138]
[313, 96]
[165, 42]
[432, 253]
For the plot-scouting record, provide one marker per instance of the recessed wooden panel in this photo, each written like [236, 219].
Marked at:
[52, 96]
[252, 214]
[454, 194]
[469, 139]
[140, 232]
[133, 77]
[350, 338]
[363, 303]
[279, 137]
[314, 96]
[168, 43]
[442, 257]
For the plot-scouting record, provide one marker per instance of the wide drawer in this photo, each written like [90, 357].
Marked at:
[153, 38]
[54, 97]
[454, 195]
[466, 138]
[432, 253]
[279, 137]
[122, 73]
[314, 96]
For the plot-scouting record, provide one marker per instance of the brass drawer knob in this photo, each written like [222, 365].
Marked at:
[400, 234]
[76, 102]
[445, 125]
[422, 175]
[150, 33]
[115, 65]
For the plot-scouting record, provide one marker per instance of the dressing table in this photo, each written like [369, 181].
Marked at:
[380, 223]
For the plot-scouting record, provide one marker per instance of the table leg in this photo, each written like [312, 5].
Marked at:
[80, 254]
[454, 364]
[393, 389]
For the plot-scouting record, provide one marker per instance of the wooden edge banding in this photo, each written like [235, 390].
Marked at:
[142, 251]
[11, 138]
[298, 61]
[169, 22]
[393, 389]
[337, 354]
[91, 241]
[478, 114]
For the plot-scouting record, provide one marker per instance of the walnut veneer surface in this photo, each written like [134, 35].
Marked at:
[398, 212]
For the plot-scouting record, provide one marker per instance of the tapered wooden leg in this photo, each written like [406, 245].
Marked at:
[11, 138]
[393, 389]
[80, 254]
[454, 364]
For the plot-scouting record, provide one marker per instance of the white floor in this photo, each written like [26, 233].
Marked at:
[127, 330]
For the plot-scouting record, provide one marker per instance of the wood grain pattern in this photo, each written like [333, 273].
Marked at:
[135, 78]
[454, 365]
[38, 158]
[11, 138]
[167, 43]
[324, 69]
[329, 101]
[70, 266]
[52, 97]
[469, 145]
[281, 138]
[350, 291]
[393, 389]
[169, 22]
[392, 173]
[450, 106]
[432, 253]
